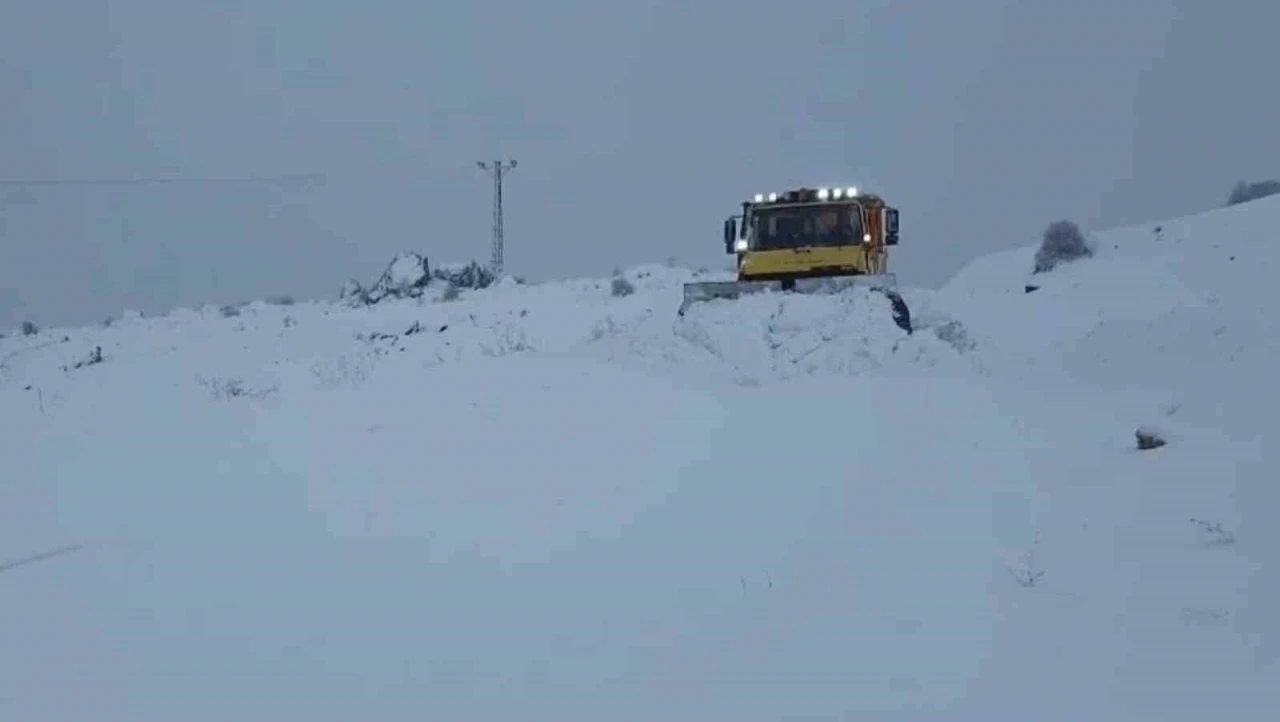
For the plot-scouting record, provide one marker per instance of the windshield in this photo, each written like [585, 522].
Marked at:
[811, 225]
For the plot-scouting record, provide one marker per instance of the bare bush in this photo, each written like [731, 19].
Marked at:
[451, 293]
[29, 328]
[622, 287]
[225, 388]
[1027, 573]
[511, 339]
[95, 357]
[354, 293]
[1212, 535]
[464, 275]
[346, 370]
[1063, 241]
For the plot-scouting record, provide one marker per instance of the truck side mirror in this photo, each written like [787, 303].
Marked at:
[730, 234]
[890, 226]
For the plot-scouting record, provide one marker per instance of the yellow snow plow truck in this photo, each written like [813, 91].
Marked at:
[809, 240]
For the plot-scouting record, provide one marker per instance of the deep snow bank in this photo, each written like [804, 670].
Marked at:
[1170, 323]
[1159, 304]
[553, 502]
[760, 339]
[547, 538]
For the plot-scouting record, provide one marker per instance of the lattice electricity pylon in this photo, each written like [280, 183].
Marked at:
[497, 169]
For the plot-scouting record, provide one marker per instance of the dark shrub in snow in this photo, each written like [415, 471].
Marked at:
[1244, 192]
[95, 357]
[1149, 438]
[622, 287]
[353, 292]
[1063, 241]
[465, 275]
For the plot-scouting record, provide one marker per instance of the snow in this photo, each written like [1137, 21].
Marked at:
[547, 502]
[406, 269]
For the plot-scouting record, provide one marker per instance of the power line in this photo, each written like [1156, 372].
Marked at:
[42, 556]
[246, 180]
[497, 169]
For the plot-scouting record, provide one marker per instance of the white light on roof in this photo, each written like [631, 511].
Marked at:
[852, 192]
[773, 197]
[824, 193]
[837, 193]
[759, 198]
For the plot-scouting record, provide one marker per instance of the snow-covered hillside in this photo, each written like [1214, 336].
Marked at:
[552, 502]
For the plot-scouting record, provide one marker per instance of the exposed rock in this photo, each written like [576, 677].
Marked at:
[1149, 438]
[464, 275]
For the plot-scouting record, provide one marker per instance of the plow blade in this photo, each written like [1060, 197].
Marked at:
[695, 293]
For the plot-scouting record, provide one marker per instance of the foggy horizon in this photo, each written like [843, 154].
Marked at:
[638, 128]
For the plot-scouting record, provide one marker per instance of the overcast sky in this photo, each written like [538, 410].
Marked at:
[639, 126]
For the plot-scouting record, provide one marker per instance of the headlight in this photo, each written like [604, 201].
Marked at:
[866, 237]
[740, 245]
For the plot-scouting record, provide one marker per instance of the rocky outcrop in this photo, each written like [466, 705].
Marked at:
[409, 275]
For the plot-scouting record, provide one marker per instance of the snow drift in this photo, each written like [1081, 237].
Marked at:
[554, 502]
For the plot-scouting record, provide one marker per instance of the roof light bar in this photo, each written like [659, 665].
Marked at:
[804, 194]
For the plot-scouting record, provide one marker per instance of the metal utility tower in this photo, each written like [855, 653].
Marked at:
[497, 169]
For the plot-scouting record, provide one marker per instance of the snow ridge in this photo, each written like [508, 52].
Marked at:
[562, 501]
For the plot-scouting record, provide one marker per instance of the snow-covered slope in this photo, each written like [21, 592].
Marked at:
[548, 502]
[1178, 306]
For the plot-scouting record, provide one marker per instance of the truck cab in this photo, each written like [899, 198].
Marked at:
[812, 233]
